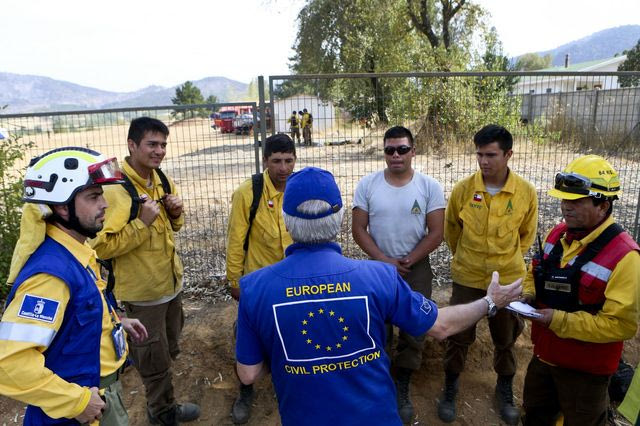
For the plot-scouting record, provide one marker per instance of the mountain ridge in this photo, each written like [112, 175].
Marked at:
[602, 44]
[30, 93]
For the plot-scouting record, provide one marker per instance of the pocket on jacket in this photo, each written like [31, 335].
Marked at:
[473, 230]
[591, 290]
[158, 230]
[82, 321]
[508, 238]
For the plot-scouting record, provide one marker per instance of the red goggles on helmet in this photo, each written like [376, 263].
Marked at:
[105, 172]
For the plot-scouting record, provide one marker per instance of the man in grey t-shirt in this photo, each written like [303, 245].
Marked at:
[398, 218]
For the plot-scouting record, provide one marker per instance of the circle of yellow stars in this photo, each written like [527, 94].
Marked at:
[321, 347]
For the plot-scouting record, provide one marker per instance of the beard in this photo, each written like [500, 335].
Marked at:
[89, 230]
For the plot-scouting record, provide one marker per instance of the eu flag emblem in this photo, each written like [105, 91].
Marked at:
[312, 330]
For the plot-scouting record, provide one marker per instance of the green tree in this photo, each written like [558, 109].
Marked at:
[493, 101]
[632, 63]
[12, 150]
[532, 61]
[212, 99]
[449, 26]
[363, 36]
[187, 94]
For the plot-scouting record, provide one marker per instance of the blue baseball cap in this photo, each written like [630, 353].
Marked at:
[311, 183]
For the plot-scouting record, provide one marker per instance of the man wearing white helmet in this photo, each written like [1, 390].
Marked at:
[584, 284]
[62, 345]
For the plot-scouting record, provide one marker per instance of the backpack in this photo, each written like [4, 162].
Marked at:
[135, 199]
[257, 184]
[310, 119]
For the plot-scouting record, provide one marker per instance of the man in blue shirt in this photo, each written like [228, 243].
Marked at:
[317, 319]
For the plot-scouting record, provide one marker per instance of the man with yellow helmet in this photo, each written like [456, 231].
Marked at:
[584, 284]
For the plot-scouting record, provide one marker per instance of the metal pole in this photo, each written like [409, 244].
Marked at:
[263, 118]
[594, 117]
[273, 116]
[256, 143]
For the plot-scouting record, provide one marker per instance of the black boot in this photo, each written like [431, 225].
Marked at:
[504, 400]
[405, 408]
[187, 412]
[447, 403]
[168, 417]
[241, 411]
[184, 413]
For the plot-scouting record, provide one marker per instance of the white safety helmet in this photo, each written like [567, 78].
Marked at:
[56, 176]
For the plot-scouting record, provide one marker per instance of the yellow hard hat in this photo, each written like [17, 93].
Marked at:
[587, 176]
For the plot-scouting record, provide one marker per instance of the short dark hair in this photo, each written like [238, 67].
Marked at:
[141, 125]
[398, 132]
[601, 200]
[279, 143]
[493, 133]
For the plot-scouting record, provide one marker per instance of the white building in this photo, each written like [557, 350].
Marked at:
[323, 112]
[556, 84]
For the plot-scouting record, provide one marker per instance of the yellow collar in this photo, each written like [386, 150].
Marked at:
[81, 251]
[134, 176]
[272, 192]
[509, 185]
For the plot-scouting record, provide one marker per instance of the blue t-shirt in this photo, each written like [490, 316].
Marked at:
[319, 319]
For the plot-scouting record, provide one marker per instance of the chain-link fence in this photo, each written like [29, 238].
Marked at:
[211, 149]
[554, 118]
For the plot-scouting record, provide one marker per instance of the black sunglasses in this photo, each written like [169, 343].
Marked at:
[402, 149]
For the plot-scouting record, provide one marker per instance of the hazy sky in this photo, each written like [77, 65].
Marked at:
[127, 45]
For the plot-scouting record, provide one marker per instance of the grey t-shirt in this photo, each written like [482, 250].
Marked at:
[397, 215]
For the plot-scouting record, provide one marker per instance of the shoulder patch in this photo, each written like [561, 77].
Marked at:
[38, 308]
[426, 306]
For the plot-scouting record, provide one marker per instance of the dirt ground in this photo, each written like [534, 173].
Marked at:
[203, 374]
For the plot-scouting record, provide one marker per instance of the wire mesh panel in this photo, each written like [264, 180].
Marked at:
[554, 117]
[207, 156]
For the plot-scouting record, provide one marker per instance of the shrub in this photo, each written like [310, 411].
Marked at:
[11, 151]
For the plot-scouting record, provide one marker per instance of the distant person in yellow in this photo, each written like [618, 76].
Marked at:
[294, 127]
[259, 239]
[62, 344]
[584, 285]
[490, 223]
[147, 268]
[306, 123]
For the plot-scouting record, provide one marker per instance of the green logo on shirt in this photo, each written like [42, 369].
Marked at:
[509, 207]
[416, 208]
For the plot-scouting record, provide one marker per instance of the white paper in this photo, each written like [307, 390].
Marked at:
[524, 309]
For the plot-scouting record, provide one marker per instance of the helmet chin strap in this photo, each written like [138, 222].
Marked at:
[73, 222]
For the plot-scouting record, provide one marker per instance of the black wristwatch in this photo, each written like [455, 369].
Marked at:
[492, 309]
